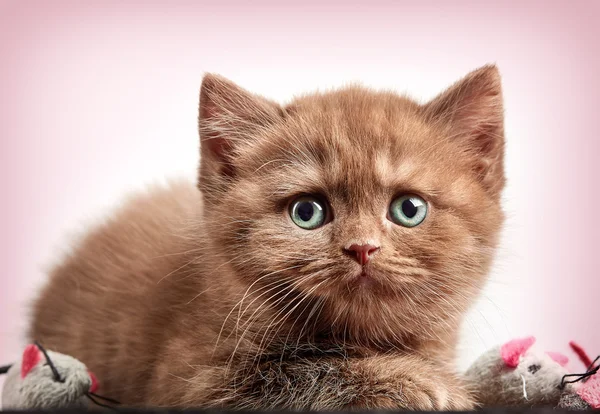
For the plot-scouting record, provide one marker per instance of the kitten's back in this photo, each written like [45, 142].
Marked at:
[98, 302]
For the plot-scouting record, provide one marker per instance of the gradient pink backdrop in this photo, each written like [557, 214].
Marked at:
[98, 98]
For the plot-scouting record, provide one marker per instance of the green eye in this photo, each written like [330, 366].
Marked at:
[408, 210]
[308, 212]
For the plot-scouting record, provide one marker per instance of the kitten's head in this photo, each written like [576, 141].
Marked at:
[356, 213]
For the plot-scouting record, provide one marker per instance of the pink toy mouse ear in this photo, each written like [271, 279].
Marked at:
[581, 353]
[94, 386]
[31, 357]
[559, 358]
[512, 351]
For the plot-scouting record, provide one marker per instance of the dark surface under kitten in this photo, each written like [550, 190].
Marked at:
[164, 411]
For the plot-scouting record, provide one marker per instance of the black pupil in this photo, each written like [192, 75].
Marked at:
[306, 211]
[409, 209]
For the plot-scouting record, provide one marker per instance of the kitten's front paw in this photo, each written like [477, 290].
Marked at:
[415, 393]
[431, 394]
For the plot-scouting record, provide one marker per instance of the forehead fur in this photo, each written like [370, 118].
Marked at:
[355, 143]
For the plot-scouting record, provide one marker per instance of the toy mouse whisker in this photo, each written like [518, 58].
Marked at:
[110, 400]
[91, 397]
[55, 372]
[594, 363]
[593, 371]
[563, 383]
[580, 377]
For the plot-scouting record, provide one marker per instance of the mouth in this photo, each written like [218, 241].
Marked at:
[368, 283]
[364, 278]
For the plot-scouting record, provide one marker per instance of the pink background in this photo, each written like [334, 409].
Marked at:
[99, 98]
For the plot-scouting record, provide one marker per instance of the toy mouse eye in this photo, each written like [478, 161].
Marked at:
[534, 368]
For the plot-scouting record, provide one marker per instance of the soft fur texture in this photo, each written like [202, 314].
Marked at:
[212, 296]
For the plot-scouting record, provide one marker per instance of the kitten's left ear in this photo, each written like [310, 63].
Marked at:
[472, 110]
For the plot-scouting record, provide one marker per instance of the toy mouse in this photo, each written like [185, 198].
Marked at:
[517, 374]
[45, 379]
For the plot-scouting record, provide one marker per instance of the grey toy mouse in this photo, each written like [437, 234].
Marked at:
[517, 374]
[45, 379]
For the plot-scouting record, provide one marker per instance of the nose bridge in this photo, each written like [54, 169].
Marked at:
[357, 190]
[361, 237]
[361, 228]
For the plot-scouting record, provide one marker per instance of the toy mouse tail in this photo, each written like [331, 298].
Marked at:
[4, 369]
[581, 354]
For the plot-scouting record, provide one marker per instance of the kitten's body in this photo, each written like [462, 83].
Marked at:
[214, 298]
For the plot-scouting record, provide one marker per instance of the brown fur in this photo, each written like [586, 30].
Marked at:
[215, 298]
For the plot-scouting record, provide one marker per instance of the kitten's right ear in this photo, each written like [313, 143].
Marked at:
[227, 116]
[473, 110]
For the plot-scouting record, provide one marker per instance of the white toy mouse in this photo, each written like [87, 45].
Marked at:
[45, 379]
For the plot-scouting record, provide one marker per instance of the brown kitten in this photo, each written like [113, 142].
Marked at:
[298, 276]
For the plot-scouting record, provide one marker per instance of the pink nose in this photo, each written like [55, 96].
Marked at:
[361, 252]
